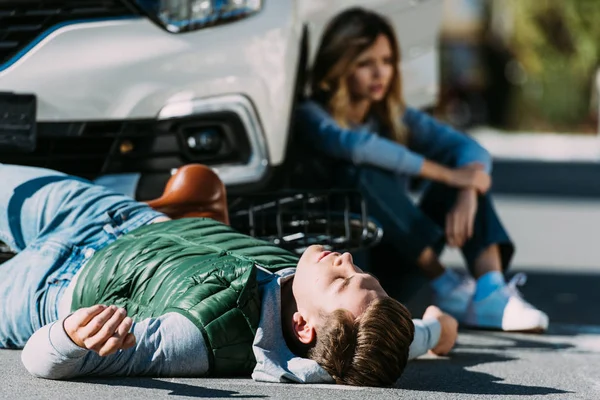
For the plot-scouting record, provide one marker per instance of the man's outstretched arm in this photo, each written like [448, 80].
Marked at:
[436, 333]
[166, 346]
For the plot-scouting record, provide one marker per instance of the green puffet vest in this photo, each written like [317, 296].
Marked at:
[197, 267]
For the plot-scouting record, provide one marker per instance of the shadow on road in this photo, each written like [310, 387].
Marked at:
[452, 376]
[173, 388]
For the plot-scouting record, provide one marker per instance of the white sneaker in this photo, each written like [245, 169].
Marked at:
[456, 301]
[507, 310]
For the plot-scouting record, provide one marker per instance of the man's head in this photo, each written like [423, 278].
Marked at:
[352, 328]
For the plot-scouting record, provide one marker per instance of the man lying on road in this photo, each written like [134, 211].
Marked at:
[103, 285]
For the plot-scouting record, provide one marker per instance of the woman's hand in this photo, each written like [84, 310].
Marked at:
[460, 220]
[449, 332]
[470, 176]
[104, 330]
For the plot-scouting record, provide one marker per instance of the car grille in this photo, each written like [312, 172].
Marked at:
[93, 148]
[80, 148]
[23, 22]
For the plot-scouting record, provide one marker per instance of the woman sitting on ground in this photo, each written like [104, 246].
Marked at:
[357, 116]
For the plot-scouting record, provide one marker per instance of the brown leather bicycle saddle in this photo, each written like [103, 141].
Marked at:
[194, 190]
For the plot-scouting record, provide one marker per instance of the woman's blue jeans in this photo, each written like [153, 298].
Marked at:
[410, 228]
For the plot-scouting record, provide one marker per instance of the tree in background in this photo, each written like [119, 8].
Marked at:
[556, 45]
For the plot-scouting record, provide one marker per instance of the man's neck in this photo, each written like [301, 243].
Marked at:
[358, 110]
[288, 308]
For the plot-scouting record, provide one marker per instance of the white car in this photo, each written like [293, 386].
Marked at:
[127, 91]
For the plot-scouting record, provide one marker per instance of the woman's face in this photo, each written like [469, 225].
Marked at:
[373, 71]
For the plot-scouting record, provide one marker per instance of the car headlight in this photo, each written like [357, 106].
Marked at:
[186, 15]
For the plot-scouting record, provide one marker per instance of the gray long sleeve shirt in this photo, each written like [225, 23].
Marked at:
[171, 345]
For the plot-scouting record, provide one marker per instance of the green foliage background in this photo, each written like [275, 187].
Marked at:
[557, 43]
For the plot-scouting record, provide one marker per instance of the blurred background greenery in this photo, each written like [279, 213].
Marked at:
[521, 65]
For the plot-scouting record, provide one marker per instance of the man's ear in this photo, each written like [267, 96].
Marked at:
[303, 329]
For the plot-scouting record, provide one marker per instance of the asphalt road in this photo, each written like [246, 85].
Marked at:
[562, 364]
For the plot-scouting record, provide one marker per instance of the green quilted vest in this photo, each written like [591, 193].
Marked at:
[197, 267]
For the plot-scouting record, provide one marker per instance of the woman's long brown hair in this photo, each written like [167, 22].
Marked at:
[346, 36]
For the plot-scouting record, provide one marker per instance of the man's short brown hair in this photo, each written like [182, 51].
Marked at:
[371, 350]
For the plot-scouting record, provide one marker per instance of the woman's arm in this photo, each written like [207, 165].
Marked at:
[443, 144]
[470, 177]
[322, 132]
[170, 345]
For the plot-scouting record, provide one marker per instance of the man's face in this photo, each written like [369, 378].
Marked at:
[326, 281]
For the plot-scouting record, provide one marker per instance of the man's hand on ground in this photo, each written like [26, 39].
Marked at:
[449, 330]
[102, 329]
